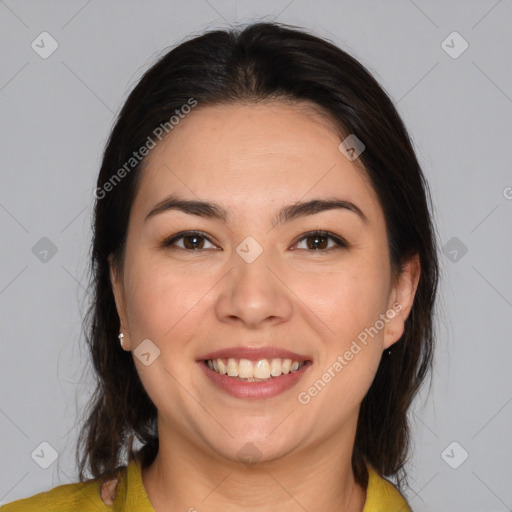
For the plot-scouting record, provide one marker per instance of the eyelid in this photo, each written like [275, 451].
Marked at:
[168, 242]
[341, 243]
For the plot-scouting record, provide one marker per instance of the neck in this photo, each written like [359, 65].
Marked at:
[185, 477]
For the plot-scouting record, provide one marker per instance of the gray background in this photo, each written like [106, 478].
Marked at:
[56, 114]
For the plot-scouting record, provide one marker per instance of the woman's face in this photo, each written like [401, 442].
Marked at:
[258, 281]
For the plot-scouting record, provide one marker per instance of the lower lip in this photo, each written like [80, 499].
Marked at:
[254, 390]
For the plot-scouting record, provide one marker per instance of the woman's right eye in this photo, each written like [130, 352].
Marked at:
[192, 241]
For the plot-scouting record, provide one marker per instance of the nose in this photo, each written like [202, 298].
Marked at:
[254, 293]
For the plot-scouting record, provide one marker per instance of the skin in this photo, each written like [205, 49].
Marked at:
[254, 159]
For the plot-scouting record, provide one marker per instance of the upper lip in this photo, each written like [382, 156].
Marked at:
[254, 354]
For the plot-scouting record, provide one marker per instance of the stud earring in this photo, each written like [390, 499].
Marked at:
[388, 352]
[121, 336]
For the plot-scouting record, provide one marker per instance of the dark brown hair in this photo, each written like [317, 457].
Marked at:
[264, 61]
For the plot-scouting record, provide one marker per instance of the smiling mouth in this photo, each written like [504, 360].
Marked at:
[260, 370]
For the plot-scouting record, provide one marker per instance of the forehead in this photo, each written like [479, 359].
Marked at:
[250, 155]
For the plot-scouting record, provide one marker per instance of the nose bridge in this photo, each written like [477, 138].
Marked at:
[252, 260]
[250, 250]
[253, 293]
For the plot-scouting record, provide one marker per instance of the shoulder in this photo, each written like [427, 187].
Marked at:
[93, 495]
[382, 495]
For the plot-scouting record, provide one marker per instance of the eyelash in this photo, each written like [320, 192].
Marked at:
[340, 243]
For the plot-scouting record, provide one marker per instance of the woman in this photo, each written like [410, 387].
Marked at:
[264, 251]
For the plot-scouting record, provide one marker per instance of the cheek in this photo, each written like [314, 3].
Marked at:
[349, 304]
[344, 303]
[163, 305]
[359, 300]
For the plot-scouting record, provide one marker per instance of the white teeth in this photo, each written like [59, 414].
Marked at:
[222, 367]
[232, 368]
[262, 369]
[252, 371]
[275, 367]
[245, 369]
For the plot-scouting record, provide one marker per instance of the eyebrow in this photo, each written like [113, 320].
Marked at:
[286, 214]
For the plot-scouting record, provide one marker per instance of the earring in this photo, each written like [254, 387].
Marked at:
[121, 336]
[389, 350]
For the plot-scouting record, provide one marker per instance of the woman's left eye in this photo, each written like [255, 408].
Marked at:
[317, 241]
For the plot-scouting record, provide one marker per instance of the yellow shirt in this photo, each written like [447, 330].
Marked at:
[381, 496]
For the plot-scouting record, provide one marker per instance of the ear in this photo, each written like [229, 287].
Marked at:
[116, 280]
[401, 300]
